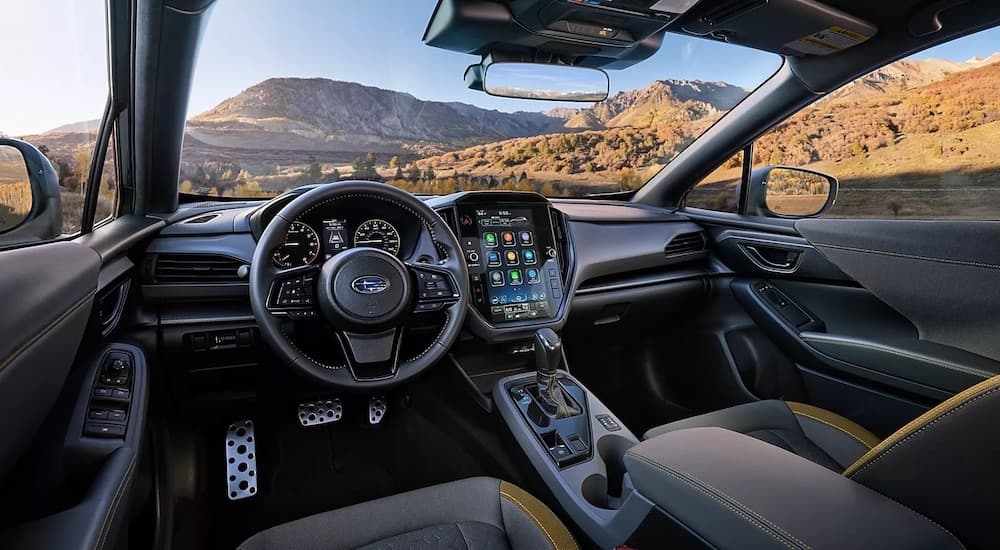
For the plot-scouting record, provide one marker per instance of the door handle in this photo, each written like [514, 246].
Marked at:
[773, 258]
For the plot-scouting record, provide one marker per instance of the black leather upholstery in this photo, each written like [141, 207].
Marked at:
[472, 513]
[944, 464]
[737, 492]
[807, 435]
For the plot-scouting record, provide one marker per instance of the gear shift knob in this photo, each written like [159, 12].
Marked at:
[548, 351]
[548, 358]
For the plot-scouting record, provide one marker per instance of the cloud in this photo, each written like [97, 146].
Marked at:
[687, 52]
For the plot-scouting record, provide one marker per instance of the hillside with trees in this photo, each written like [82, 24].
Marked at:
[892, 137]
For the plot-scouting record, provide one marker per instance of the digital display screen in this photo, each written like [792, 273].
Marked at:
[512, 262]
[335, 237]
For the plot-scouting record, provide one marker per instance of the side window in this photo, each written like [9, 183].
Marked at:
[916, 139]
[717, 191]
[107, 192]
[52, 117]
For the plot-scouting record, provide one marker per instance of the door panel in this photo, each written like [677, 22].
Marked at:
[48, 293]
[882, 318]
[941, 275]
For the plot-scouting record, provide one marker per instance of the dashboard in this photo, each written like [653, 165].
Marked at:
[528, 257]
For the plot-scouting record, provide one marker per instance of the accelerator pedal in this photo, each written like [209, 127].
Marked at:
[241, 460]
[376, 409]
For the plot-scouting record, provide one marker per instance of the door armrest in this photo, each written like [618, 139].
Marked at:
[739, 492]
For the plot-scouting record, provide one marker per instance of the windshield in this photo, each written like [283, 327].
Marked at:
[327, 91]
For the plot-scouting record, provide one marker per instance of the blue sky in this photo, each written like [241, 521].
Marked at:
[60, 71]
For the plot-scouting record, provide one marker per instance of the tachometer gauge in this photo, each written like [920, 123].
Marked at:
[301, 246]
[377, 234]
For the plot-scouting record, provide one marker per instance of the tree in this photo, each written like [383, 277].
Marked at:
[413, 174]
[429, 174]
[313, 172]
[399, 173]
[628, 179]
[894, 205]
[394, 163]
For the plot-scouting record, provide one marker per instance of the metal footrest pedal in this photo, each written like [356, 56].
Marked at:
[376, 409]
[314, 413]
[241, 460]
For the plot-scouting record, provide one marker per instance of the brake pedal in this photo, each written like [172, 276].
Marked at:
[314, 413]
[376, 409]
[241, 460]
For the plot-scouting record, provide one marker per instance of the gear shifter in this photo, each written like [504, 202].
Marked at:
[548, 358]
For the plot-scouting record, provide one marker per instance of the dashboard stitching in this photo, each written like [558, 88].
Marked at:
[306, 355]
[437, 339]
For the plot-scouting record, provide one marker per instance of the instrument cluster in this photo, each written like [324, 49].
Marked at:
[312, 241]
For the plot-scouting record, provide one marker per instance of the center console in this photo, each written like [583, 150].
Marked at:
[575, 443]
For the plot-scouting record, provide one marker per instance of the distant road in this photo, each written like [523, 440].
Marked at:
[917, 190]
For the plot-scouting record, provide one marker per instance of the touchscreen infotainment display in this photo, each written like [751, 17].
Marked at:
[512, 261]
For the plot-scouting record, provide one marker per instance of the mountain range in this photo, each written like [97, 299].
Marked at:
[327, 115]
[304, 115]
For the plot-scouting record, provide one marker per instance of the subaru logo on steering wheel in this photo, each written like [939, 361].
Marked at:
[369, 284]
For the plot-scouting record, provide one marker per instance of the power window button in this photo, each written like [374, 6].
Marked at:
[97, 429]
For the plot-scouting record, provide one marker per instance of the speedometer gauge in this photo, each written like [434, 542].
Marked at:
[377, 234]
[301, 246]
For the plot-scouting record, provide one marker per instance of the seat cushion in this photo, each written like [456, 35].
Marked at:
[819, 435]
[472, 513]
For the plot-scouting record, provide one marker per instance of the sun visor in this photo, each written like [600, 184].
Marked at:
[787, 27]
[608, 34]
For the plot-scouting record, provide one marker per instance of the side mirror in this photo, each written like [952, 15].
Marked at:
[790, 192]
[539, 81]
[30, 203]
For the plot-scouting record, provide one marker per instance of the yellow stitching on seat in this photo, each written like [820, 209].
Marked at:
[732, 506]
[524, 508]
[922, 422]
[834, 421]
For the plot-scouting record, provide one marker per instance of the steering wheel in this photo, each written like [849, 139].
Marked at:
[364, 295]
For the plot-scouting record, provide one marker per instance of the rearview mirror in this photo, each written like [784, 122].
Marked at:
[30, 204]
[544, 81]
[790, 192]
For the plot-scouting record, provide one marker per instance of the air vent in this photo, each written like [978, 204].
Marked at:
[559, 232]
[204, 219]
[448, 215]
[195, 268]
[685, 243]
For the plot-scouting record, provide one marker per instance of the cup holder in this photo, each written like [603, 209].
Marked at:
[605, 491]
[595, 491]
